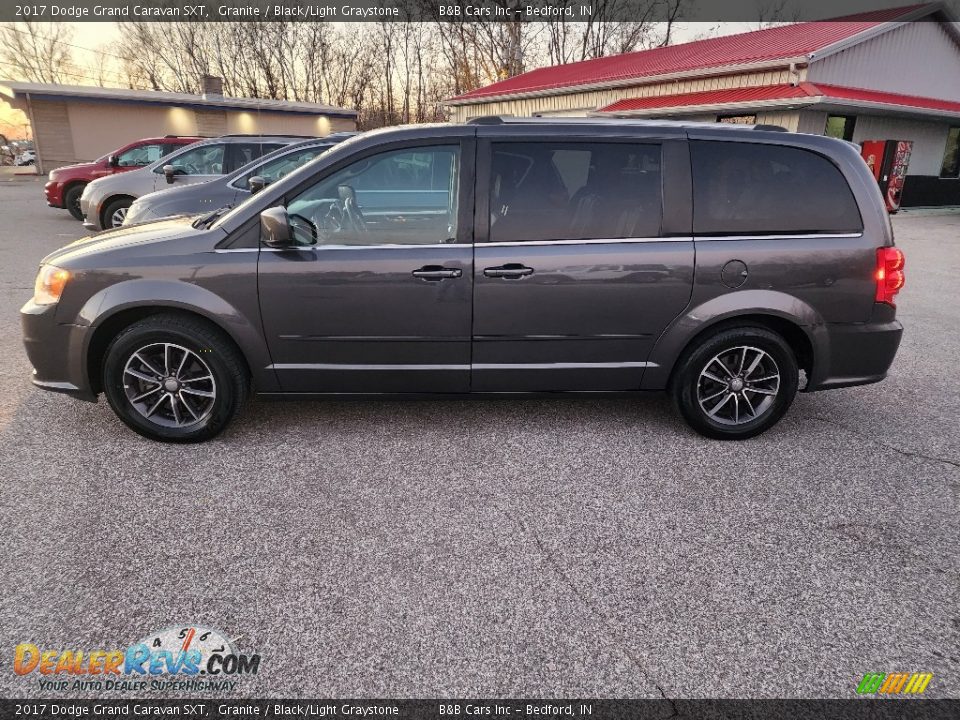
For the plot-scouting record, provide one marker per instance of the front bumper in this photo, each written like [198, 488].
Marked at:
[857, 353]
[56, 351]
[54, 193]
[91, 213]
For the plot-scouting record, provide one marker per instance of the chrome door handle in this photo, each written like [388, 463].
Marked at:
[510, 270]
[437, 272]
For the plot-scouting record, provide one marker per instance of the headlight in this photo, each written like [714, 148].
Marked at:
[51, 281]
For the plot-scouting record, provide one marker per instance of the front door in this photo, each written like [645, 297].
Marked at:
[377, 295]
[575, 276]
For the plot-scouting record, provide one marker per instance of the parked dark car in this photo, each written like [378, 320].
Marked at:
[105, 201]
[229, 190]
[65, 184]
[500, 256]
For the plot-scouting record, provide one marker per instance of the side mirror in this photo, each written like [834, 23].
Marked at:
[113, 160]
[169, 171]
[256, 184]
[275, 227]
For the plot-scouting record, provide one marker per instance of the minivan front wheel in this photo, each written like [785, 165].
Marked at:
[174, 379]
[115, 213]
[737, 383]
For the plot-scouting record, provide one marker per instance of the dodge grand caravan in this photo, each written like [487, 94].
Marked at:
[499, 256]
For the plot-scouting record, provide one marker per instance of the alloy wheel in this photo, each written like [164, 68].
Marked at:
[739, 385]
[118, 216]
[169, 385]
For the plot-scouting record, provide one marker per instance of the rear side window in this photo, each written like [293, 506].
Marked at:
[753, 189]
[574, 191]
[240, 154]
[167, 148]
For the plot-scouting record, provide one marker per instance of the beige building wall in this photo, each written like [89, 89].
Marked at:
[98, 128]
[253, 121]
[51, 131]
[69, 132]
[585, 101]
[789, 119]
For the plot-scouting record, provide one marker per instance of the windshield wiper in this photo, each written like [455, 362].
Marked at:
[205, 221]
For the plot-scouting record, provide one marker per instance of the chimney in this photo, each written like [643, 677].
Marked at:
[212, 87]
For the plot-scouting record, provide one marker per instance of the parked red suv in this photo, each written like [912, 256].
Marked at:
[65, 185]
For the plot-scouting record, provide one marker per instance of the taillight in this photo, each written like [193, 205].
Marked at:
[889, 274]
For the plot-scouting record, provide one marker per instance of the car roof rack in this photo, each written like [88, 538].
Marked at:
[488, 120]
[255, 135]
[600, 119]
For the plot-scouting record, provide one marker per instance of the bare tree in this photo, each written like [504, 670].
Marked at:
[38, 52]
[651, 26]
[390, 72]
[771, 13]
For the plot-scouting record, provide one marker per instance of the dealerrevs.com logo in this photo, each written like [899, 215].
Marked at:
[894, 683]
[186, 658]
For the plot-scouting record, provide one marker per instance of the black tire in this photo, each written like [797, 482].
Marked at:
[71, 201]
[697, 395]
[113, 208]
[124, 371]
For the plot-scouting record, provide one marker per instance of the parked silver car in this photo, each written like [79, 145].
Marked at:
[105, 201]
[231, 189]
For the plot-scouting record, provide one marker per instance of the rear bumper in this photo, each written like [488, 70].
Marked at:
[856, 354]
[54, 194]
[56, 351]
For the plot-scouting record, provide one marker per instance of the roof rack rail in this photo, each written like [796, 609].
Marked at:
[487, 120]
[773, 128]
[286, 135]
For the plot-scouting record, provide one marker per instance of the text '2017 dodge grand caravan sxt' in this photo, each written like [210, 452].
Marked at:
[498, 256]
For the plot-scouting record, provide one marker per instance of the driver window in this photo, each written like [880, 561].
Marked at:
[402, 197]
[143, 155]
[204, 160]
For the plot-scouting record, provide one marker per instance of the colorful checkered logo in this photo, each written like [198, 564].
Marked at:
[894, 683]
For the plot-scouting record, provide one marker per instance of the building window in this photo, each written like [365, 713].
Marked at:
[737, 119]
[951, 155]
[840, 127]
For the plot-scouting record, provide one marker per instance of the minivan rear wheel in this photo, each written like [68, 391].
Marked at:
[737, 383]
[174, 379]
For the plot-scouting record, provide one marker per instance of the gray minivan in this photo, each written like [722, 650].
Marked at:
[497, 256]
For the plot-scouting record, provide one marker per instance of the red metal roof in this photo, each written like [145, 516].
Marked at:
[782, 42]
[801, 92]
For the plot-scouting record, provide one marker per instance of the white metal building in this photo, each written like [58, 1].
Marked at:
[886, 75]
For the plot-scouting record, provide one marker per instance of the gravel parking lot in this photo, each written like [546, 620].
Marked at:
[573, 547]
